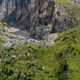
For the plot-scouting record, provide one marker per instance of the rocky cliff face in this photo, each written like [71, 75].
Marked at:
[10, 10]
[29, 14]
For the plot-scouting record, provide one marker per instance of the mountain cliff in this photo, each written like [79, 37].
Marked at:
[30, 14]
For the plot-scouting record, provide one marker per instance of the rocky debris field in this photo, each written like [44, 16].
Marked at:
[14, 36]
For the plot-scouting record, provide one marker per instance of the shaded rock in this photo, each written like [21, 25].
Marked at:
[29, 14]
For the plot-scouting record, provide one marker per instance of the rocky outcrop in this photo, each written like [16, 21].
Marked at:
[13, 36]
[30, 14]
[27, 13]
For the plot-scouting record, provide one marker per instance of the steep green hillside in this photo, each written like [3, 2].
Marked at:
[61, 61]
[57, 62]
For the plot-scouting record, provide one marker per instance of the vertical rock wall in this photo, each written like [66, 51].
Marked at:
[29, 14]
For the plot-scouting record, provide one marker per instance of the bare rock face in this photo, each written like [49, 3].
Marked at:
[10, 10]
[37, 12]
[29, 14]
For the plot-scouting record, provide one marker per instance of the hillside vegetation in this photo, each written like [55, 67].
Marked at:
[30, 62]
[60, 61]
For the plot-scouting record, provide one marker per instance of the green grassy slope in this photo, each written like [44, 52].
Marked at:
[57, 62]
